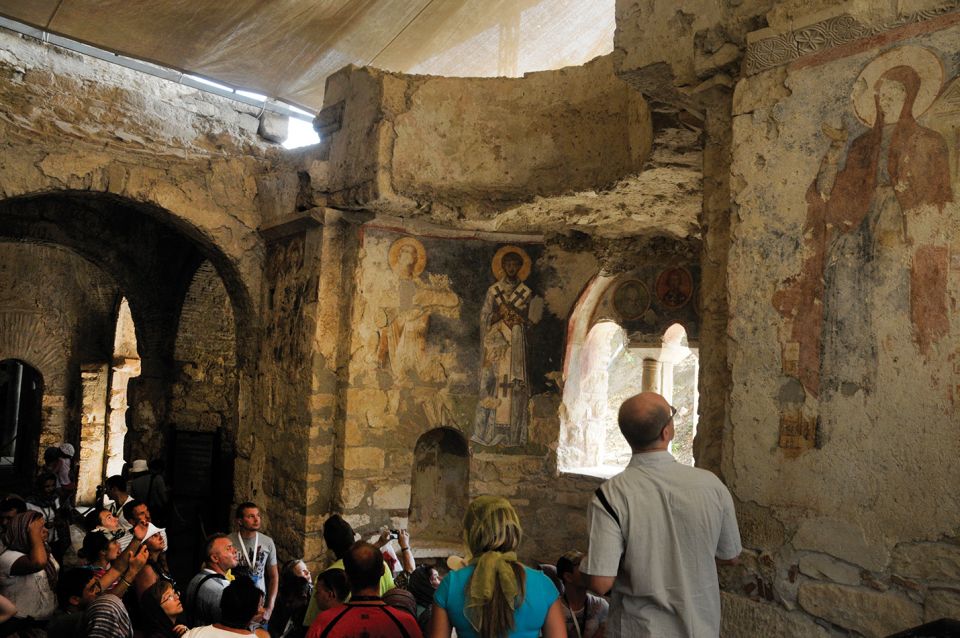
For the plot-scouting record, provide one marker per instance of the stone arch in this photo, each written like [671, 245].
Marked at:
[112, 232]
[42, 217]
[20, 338]
[439, 486]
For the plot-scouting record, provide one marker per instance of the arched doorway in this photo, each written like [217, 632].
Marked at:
[21, 394]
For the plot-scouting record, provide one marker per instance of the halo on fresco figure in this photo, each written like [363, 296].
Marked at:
[497, 265]
[406, 243]
[924, 61]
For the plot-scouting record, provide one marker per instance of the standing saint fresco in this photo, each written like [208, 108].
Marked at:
[866, 253]
[402, 347]
[509, 309]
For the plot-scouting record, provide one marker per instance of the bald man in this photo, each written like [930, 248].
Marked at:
[657, 532]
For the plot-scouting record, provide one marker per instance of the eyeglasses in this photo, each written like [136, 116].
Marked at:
[169, 596]
[673, 413]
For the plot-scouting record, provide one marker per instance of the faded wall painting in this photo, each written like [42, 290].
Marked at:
[287, 286]
[402, 341]
[843, 289]
[874, 214]
[510, 309]
[648, 299]
[448, 329]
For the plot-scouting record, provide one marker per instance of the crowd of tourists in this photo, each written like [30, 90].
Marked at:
[105, 574]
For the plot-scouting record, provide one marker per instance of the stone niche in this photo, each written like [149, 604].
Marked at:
[438, 498]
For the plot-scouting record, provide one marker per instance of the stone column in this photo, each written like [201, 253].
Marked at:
[651, 376]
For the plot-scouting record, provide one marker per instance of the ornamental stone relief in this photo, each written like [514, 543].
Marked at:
[786, 47]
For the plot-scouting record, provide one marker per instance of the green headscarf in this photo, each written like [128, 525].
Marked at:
[491, 526]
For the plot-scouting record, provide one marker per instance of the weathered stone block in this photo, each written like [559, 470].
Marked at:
[758, 527]
[273, 127]
[363, 458]
[392, 498]
[841, 539]
[353, 493]
[867, 612]
[742, 614]
[825, 567]
[927, 561]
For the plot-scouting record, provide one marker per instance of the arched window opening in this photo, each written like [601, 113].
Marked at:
[438, 493]
[606, 370]
[21, 394]
[680, 366]
[126, 365]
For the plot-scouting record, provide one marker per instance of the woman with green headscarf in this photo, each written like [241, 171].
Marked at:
[495, 596]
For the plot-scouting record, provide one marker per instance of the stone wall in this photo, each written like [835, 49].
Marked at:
[89, 147]
[842, 294]
[417, 365]
[204, 397]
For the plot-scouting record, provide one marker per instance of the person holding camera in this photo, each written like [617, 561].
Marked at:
[28, 570]
[400, 566]
[46, 501]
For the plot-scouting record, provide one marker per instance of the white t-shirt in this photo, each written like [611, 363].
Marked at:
[31, 593]
[212, 632]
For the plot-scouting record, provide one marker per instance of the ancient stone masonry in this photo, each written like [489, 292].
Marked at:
[389, 323]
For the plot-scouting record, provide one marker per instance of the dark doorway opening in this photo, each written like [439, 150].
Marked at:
[201, 481]
[21, 394]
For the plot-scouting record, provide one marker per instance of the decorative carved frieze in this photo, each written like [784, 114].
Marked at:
[786, 47]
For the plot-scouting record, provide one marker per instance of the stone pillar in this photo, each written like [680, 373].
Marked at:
[94, 384]
[123, 370]
[715, 382]
[666, 380]
[651, 376]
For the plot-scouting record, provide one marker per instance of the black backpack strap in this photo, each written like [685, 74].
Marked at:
[403, 630]
[196, 592]
[606, 505]
[329, 627]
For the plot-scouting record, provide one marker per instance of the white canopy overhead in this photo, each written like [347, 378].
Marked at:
[285, 49]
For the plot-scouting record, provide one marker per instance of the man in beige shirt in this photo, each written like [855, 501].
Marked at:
[657, 531]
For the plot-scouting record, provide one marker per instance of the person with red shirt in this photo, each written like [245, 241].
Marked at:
[365, 614]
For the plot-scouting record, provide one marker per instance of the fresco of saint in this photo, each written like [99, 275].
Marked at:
[509, 309]
[857, 238]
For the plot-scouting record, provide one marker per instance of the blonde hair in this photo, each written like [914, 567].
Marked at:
[491, 525]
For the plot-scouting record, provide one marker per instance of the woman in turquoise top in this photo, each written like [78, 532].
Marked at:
[495, 596]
